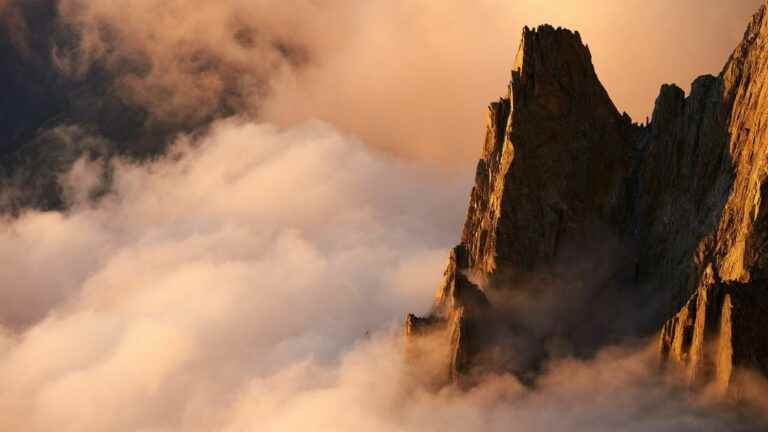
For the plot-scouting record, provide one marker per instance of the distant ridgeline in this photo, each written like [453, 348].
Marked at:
[585, 229]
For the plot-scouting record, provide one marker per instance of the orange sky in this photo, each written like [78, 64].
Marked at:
[638, 45]
[412, 77]
[416, 79]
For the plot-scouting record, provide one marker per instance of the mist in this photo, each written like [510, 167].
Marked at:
[256, 278]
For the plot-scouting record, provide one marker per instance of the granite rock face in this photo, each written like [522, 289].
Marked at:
[682, 195]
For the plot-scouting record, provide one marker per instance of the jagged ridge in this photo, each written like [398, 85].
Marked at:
[683, 195]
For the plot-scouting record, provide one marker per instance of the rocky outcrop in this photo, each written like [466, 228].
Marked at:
[682, 195]
[555, 154]
[554, 162]
[459, 307]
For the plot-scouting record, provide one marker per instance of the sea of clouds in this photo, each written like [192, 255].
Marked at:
[256, 279]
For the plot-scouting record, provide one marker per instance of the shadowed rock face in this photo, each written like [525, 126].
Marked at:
[554, 163]
[555, 154]
[681, 196]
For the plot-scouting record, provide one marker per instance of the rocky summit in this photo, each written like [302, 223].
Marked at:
[585, 228]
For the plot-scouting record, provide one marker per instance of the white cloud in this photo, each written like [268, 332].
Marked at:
[258, 283]
[260, 249]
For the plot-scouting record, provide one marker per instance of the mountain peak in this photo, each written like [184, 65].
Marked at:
[548, 43]
[613, 230]
[555, 153]
[553, 67]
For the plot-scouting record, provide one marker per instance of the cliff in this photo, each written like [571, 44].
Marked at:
[714, 144]
[631, 229]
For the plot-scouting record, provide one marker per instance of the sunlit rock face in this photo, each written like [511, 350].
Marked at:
[563, 173]
[708, 230]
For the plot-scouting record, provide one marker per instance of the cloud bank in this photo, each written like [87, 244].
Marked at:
[258, 249]
[255, 279]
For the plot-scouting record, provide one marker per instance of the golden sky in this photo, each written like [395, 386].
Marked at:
[416, 79]
[412, 77]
